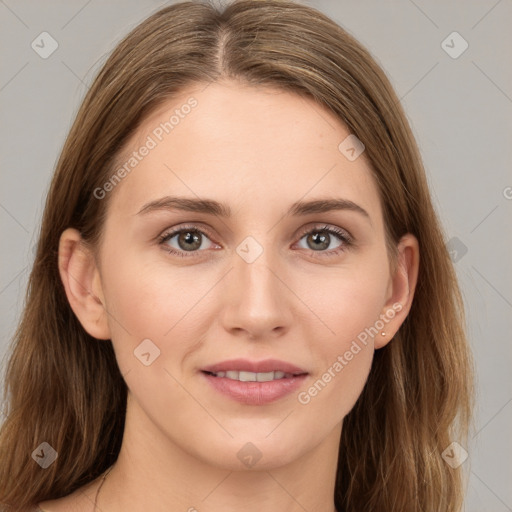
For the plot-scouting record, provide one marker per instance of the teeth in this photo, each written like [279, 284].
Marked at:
[252, 376]
[265, 377]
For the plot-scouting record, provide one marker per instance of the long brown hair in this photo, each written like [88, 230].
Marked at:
[64, 387]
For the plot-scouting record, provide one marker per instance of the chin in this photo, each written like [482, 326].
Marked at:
[254, 453]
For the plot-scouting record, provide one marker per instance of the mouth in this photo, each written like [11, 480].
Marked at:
[244, 376]
[254, 382]
[246, 370]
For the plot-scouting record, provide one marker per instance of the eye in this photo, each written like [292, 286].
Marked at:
[320, 238]
[188, 238]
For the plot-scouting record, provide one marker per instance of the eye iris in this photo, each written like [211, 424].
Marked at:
[189, 237]
[324, 240]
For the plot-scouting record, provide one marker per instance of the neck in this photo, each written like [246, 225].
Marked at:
[154, 473]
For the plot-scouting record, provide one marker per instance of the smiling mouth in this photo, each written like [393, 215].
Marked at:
[243, 376]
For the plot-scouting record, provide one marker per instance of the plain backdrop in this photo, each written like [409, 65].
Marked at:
[458, 101]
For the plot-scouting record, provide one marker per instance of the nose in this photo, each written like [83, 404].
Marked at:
[257, 300]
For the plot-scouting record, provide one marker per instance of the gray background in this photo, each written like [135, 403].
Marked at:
[460, 110]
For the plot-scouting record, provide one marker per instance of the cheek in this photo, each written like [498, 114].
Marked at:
[155, 302]
[348, 309]
[148, 299]
[343, 359]
[144, 302]
[346, 301]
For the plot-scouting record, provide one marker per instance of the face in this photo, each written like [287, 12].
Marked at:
[251, 273]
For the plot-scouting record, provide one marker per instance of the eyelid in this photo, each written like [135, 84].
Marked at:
[321, 226]
[302, 231]
[172, 232]
[343, 234]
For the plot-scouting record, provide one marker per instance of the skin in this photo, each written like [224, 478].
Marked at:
[258, 150]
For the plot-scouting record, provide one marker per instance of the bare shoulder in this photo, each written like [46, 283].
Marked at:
[81, 500]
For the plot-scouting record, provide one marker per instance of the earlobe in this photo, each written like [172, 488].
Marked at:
[82, 283]
[402, 287]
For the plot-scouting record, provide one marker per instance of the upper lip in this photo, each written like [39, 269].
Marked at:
[244, 365]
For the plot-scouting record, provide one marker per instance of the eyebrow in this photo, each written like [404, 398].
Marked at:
[211, 207]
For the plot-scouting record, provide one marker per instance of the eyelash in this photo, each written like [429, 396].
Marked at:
[344, 237]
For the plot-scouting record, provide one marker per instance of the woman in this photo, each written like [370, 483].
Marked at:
[241, 297]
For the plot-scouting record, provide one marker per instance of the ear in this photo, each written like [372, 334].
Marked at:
[82, 283]
[401, 289]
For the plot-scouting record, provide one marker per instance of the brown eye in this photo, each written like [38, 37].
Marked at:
[187, 240]
[319, 240]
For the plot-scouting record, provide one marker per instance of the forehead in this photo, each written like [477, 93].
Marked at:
[246, 146]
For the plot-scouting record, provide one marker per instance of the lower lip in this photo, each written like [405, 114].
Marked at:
[255, 393]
